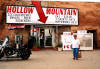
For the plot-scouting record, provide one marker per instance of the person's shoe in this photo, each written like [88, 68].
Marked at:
[73, 58]
[76, 58]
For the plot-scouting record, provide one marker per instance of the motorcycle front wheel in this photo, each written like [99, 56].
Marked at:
[26, 54]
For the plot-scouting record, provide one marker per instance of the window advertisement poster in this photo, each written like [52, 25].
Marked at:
[86, 41]
[66, 40]
[82, 31]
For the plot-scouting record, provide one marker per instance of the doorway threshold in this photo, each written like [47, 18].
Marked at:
[47, 48]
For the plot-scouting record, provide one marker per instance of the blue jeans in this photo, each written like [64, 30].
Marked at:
[75, 52]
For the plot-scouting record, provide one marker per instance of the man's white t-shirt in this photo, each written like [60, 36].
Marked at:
[75, 43]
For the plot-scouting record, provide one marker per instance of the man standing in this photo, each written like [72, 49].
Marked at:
[75, 47]
[42, 40]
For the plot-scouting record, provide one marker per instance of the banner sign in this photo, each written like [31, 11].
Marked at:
[16, 26]
[35, 30]
[33, 15]
[66, 40]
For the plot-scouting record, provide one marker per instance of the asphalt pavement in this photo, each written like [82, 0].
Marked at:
[51, 59]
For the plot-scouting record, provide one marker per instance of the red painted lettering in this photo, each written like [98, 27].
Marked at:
[58, 11]
[17, 9]
[25, 10]
[21, 10]
[30, 9]
[14, 9]
[9, 8]
[71, 12]
[65, 11]
[48, 10]
[74, 12]
[61, 11]
[68, 12]
[53, 11]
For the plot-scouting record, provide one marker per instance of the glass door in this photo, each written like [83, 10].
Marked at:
[48, 37]
[42, 38]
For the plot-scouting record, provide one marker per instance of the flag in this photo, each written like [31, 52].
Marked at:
[16, 26]
[35, 30]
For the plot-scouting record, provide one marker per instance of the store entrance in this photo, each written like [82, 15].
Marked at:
[94, 38]
[45, 37]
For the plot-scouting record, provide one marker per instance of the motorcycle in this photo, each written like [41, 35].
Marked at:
[7, 51]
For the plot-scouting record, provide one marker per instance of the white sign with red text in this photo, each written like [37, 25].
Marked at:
[66, 40]
[32, 15]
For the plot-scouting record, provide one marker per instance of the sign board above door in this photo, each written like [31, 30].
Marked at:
[50, 16]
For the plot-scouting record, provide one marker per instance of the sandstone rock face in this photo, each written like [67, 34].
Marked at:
[89, 16]
[89, 13]
[4, 27]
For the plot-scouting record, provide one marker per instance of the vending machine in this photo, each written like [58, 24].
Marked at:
[18, 40]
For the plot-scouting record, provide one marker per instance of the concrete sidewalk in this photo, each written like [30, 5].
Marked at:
[50, 59]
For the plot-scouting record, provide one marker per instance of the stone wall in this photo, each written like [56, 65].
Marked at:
[62, 29]
[4, 27]
[89, 17]
[89, 13]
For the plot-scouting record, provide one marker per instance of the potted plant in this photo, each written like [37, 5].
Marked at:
[59, 47]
